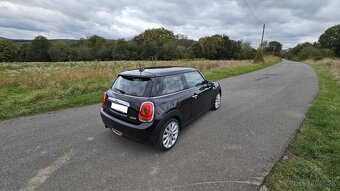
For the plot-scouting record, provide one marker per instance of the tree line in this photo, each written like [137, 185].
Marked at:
[328, 45]
[152, 44]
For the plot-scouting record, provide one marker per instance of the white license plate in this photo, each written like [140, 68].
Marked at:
[120, 108]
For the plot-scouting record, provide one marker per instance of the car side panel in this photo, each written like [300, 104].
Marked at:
[177, 101]
[202, 100]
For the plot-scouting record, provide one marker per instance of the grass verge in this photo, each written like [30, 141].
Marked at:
[29, 88]
[229, 72]
[313, 161]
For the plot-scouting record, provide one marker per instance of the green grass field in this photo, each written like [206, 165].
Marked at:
[314, 156]
[28, 88]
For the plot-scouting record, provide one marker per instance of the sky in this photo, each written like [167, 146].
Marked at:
[288, 21]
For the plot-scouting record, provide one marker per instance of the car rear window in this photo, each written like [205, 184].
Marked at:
[134, 86]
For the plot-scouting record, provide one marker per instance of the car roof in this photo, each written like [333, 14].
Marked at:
[157, 71]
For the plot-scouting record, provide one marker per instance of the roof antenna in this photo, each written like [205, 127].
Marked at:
[140, 68]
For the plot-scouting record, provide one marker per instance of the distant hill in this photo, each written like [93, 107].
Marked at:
[20, 42]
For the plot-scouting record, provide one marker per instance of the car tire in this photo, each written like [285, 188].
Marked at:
[168, 135]
[217, 101]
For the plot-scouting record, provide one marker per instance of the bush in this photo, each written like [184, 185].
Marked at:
[59, 51]
[308, 51]
[8, 51]
[258, 57]
[331, 39]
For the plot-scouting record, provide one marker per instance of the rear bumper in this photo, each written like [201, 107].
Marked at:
[142, 133]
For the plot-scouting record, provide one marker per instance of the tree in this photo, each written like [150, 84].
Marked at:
[308, 51]
[105, 52]
[246, 51]
[155, 44]
[196, 50]
[213, 46]
[8, 51]
[96, 41]
[331, 39]
[294, 52]
[168, 51]
[22, 52]
[134, 50]
[217, 47]
[96, 44]
[231, 48]
[59, 51]
[274, 48]
[81, 53]
[121, 50]
[182, 52]
[38, 51]
[182, 40]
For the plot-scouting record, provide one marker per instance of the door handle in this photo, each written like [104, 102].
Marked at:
[194, 96]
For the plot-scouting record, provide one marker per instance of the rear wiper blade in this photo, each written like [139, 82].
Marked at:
[120, 91]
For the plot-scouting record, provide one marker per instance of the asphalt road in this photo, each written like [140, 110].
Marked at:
[232, 148]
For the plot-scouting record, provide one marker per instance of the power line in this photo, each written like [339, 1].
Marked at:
[252, 12]
[258, 21]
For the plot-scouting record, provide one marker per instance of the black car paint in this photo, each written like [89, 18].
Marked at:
[185, 105]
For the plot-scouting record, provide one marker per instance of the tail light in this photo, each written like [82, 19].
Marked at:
[146, 112]
[104, 98]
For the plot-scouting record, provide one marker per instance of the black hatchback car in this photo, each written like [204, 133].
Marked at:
[152, 105]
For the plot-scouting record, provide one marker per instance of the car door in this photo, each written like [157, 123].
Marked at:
[173, 94]
[200, 92]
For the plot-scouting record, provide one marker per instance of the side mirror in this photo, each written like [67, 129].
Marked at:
[210, 83]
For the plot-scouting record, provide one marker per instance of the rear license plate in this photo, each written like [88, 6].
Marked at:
[120, 108]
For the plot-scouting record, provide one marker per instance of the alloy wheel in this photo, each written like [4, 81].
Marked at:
[170, 134]
[218, 100]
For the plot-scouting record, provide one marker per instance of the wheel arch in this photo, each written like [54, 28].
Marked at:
[171, 114]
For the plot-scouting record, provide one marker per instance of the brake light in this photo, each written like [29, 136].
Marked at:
[146, 112]
[104, 98]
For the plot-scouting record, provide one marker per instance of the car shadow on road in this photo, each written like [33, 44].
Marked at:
[128, 145]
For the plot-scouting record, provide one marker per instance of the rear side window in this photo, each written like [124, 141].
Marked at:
[134, 86]
[193, 79]
[171, 84]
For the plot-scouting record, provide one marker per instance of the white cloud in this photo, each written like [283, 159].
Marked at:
[289, 22]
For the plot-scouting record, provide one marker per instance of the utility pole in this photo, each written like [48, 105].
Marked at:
[264, 26]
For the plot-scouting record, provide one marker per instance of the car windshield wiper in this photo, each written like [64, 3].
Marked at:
[201, 83]
[120, 91]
